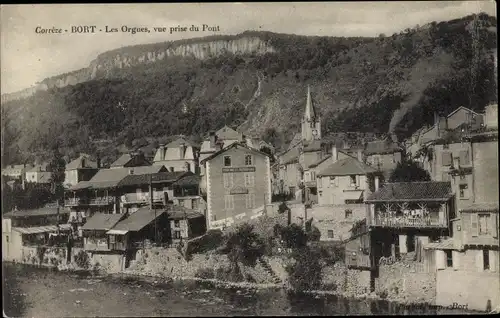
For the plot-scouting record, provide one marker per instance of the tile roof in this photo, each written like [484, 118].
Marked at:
[122, 160]
[176, 212]
[81, 162]
[42, 229]
[102, 221]
[381, 147]
[347, 166]
[315, 164]
[138, 220]
[160, 177]
[107, 178]
[413, 191]
[190, 180]
[45, 211]
[290, 156]
[314, 145]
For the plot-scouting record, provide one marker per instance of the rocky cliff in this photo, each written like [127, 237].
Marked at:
[105, 64]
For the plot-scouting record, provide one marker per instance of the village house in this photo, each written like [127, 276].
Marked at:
[132, 159]
[238, 184]
[383, 155]
[80, 169]
[94, 231]
[470, 257]
[38, 174]
[187, 193]
[101, 193]
[404, 216]
[343, 182]
[185, 223]
[136, 189]
[225, 137]
[15, 171]
[30, 227]
[179, 155]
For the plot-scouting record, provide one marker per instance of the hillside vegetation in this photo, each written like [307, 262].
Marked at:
[384, 84]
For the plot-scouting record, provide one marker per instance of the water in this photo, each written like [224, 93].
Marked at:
[39, 292]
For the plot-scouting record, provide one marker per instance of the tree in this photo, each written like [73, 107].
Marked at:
[408, 171]
[305, 273]
[57, 166]
[244, 246]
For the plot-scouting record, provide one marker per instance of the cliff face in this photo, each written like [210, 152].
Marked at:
[105, 64]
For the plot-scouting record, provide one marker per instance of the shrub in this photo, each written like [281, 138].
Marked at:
[82, 260]
[244, 246]
[305, 273]
[206, 273]
[40, 252]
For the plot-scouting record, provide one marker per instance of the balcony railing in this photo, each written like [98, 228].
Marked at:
[74, 201]
[101, 201]
[429, 222]
[142, 197]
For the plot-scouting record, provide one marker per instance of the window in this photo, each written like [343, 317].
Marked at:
[181, 202]
[7, 238]
[447, 158]
[464, 157]
[449, 258]
[228, 202]
[313, 175]
[330, 234]
[332, 181]
[348, 213]
[177, 235]
[320, 182]
[177, 223]
[484, 224]
[248, 160]
[112, 239]
[195, 204]
[249, 179]
[227, 161]
[171, 169]
[486, 259]
[228, 180]
[250, 200]
[464, 191]
[353, 180]
[446, 146]
[320, 193]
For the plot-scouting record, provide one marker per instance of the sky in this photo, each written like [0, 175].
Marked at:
[28, 57]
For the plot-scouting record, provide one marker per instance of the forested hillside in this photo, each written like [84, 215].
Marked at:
[388, 83]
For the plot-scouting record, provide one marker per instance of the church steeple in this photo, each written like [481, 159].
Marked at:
[311, 122]
[310, 113]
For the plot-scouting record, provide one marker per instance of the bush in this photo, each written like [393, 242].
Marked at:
[305, 273]
[40, 252]
[244, 246]
[82, 260]
[206, 273]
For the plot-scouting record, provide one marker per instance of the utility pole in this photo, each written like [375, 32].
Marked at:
[151, 205]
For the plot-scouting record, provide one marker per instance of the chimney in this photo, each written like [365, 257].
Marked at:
[218, 145]
[335, 154]
[161, 147]
[443, 124]
[182, 149]
[213, 138]
[360, 155]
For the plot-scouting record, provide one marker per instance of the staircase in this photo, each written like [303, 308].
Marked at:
[270, 271]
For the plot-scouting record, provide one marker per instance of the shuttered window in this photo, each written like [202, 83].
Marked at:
[250, 200]
[484, 224]
[474, 224]
[249, 179]
[464, 157]
[228, 180]
[447, 158]
[228, 202]
[320, 182]
[494, 225]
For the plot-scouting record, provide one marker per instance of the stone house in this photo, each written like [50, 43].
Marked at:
[95, 229]
[178, 155]
[383, 155]
[38, 174]
[185, 223]
[187, 193]
[80, 169]
[238, 184]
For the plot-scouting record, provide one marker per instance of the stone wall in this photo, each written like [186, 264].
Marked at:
[334, 218]
[350, 282]
[402, 282]
[52, 256]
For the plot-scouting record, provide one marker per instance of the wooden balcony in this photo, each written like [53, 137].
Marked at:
[74, 201]
[96, 246]
[131, 198]
[408, 222]
[101, 201]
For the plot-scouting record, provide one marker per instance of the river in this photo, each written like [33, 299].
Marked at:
[40, 292]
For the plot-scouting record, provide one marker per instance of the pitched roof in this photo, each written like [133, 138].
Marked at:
[160, 177]
[347, 166]
[45, 211]
[290, 156]
[295, 141]
[42, 229]
[315, 164]
[81, 162]
[107, 178]
[38, 168]
[233, 145]
[126, 158]
[138, 220]
[314, 145]
[413, 191]
[381, 147]
[189, 180]
[228, 133]
[176, 212]
[102, 221]
[310, 113]
[464, 108]
[179, 141]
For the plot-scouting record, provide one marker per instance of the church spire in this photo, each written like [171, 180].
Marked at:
[310, 114]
